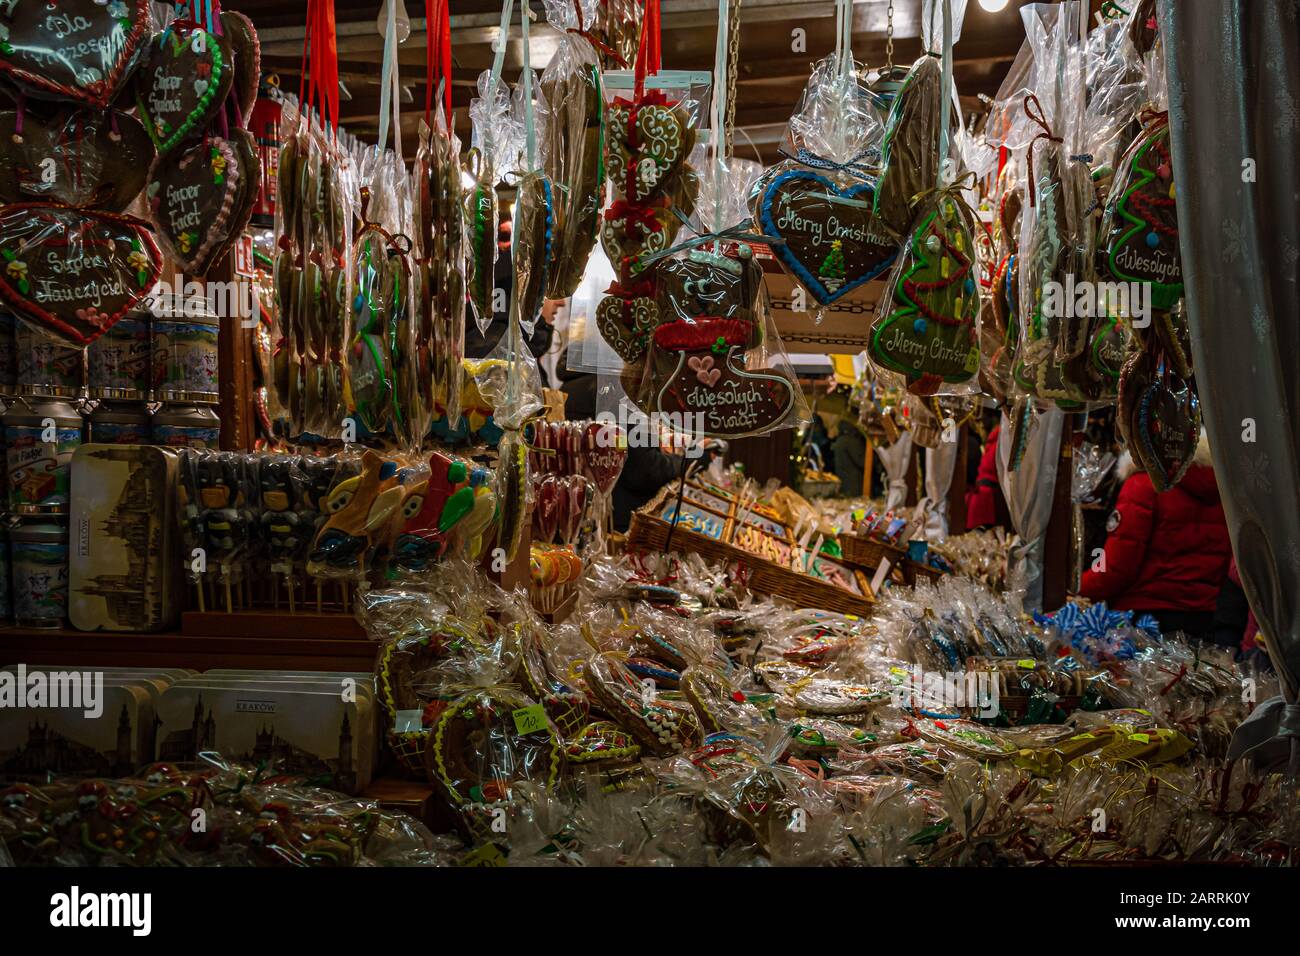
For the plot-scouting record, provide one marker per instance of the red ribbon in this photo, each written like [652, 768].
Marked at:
[437, 26]
[631, 290]
[594, 40]
[648, 54]
[634, 213]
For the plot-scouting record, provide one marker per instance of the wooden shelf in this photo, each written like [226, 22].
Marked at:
[243, 640]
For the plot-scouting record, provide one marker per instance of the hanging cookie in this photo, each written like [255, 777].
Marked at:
[81, 157]
[832, 242]
[184, 77]
[74, 273]
[926, 330]
[196, 197]
[1140, 230]
[81, 50]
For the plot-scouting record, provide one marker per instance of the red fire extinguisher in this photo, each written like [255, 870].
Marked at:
[264, 123]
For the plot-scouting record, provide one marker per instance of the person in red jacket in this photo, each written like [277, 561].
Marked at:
[1166, 553]
[985, 505]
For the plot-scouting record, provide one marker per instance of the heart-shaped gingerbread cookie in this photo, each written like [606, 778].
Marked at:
[629, 232]
[647, 144]
[81, 50]
[247, 55]
[71, 272]
[80, 157]
[194, 197]
[626, 324]
[1167, 425]
[185, 75]
[833, 243]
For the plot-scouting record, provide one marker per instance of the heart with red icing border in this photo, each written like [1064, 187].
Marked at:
[72, 272]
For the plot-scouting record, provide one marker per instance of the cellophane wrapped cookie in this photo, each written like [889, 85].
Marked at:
[817, 204]
[927, 323]
[440, 268]
[911, 160]
[715, 364]
[573, 151]
[317, 202]
[382, 363]
[494, 151]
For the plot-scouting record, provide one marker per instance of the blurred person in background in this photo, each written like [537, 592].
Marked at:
[1167, 553]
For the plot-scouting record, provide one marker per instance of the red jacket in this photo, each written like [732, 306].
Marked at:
[985, 505]
[1166, 551]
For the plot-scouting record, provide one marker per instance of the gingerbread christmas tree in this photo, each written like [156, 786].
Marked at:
[928, 333]
[832, 268]
[1143, 244]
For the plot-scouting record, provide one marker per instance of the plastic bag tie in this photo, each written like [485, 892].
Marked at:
[807, 157]
[1036, 115]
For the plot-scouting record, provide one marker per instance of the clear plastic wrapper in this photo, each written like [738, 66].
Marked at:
[573, 153]
[54, 253]
[99, 158]
[317, 199]
[94, 70]
[441, 242]
[817, 205]
[927, 332]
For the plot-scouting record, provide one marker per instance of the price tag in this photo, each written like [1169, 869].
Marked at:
[1140, 738]
[529, 720]
[1027, 664]
[489, 854]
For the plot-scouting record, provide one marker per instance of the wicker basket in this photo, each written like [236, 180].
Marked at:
[869, 553]
[819, 489]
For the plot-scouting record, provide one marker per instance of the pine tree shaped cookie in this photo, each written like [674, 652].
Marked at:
[928, 329]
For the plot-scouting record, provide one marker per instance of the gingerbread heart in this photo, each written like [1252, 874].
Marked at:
[79, 157]
[928, 332]
[185, 75]
[72, 272]
[647, 145]
[629, 231]
[626, 324]
[247, 55]
[604, 452]
[1167, 423]
[194, 197]
[81, 50]
[832, 241]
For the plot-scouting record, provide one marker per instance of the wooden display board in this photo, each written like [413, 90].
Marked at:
[711, 522]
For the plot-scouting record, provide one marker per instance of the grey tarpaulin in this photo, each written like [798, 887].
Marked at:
[1029, 490]
[1233, 68]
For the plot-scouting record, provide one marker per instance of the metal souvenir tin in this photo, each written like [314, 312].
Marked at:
[40, 436]
[186, 426]
[39, 559]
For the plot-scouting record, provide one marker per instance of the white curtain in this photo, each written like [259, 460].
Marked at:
[895, 460]
[1029, 489]
[940, 464]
